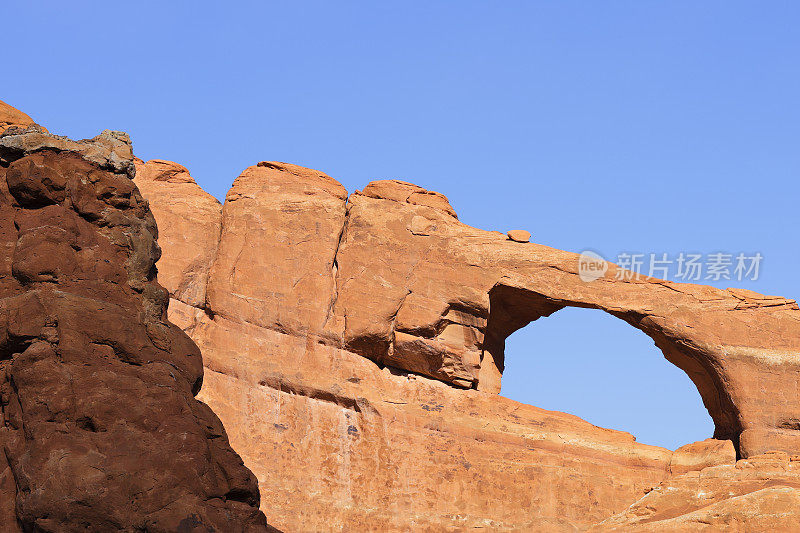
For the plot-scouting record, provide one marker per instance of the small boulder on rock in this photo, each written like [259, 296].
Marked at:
[519, 235]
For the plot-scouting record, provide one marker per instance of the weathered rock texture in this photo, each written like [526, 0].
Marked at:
[351, 345]
[99, 427]
[757, 494]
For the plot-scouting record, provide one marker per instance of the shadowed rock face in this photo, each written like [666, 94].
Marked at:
[99, 427]
[308, 288]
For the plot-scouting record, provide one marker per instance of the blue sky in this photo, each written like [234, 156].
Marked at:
[635, 126]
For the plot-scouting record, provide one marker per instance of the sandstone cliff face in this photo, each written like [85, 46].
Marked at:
[352, 346]
[100, 430]
[178, 199]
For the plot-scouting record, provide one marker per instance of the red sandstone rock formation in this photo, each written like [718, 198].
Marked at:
[100, 428]
[352, 346]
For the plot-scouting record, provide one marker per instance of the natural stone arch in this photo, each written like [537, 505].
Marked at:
[391, 274]
[512, 308]
[413, 290]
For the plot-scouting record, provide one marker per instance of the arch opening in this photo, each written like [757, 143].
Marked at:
[588, 365]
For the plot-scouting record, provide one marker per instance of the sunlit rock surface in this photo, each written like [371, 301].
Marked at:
[353, 346]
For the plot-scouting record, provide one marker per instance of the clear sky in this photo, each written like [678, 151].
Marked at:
[626, 126]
